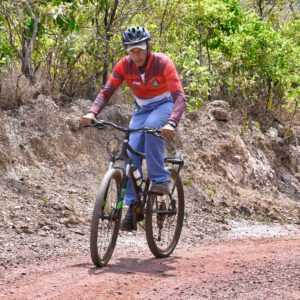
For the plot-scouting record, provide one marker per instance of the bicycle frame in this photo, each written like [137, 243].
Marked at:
[128, 174]
[128, 168]
[163, 214]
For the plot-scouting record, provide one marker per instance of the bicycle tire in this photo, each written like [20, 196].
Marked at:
[104, 231]
[164, 246]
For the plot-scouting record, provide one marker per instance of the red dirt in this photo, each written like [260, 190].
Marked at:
[243, 269]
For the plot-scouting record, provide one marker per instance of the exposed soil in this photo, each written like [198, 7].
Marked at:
[239, 183]
[264, 268]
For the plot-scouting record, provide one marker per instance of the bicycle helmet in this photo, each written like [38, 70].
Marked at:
[135, 35]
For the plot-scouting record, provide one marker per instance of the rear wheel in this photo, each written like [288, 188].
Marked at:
[164, 219]
[104, 228]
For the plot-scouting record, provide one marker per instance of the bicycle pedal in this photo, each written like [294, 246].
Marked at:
[158, 193]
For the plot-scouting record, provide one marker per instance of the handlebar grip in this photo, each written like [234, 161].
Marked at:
[95, 124]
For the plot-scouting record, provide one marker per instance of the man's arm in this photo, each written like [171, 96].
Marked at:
[176, 90]
[114, 81]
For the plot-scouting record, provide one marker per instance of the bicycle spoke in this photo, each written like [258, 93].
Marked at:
[104, 230]
[163, 224]
[164, 220]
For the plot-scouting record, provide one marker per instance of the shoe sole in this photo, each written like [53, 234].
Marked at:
[126, 229]
[139, 219]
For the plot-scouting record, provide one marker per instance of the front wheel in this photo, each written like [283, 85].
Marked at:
[164, 219]
[104, 227]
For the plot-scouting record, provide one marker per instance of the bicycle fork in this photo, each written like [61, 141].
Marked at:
[122, 194]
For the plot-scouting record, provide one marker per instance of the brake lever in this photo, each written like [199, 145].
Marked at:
[156, 133]
[162, 137]
[100, 126]
[88, 125]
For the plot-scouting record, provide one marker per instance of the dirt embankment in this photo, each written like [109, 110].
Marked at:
[51, 169]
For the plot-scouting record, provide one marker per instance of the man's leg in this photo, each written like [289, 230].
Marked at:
[137, 142]
[155, 146]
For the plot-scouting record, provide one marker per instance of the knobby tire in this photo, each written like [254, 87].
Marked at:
[104, 231]
[163, 230]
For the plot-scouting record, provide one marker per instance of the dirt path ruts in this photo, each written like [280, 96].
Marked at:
[256, 269]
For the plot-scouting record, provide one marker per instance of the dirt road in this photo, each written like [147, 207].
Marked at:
[266, 268]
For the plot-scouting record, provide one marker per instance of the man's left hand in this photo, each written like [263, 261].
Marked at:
[167, 131]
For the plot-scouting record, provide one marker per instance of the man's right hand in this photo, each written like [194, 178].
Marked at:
[88, 118]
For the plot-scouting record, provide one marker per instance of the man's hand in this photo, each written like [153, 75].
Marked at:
[167, 131]
[87, 119]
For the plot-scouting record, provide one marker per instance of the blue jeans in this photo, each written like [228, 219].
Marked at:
[151, 115]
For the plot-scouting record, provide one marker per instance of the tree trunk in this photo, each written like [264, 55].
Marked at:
[27, 47]
[208, 57]
[108, 22]
[27, 63]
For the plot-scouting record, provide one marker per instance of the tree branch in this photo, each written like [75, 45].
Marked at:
[162, 19]
[80, 53]
[269, 10]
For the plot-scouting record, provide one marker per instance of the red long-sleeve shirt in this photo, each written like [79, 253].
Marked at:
[160, 78]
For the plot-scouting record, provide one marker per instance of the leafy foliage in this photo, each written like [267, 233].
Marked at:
[246, 52]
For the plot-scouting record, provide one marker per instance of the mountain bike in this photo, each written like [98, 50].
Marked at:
[163, 213]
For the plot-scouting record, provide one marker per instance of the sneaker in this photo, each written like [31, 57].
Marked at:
[160, 188]
[139, 217]
[127, 222]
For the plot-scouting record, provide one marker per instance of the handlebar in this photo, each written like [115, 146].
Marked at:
[101, 124]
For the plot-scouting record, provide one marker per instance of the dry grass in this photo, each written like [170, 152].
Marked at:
[15, 89]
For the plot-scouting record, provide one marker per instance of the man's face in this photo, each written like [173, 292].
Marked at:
[138, 56]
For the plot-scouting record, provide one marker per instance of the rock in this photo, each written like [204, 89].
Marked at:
[64, 221]
[272, 133]
[56, 206]
[77, 231]
[245, 211]
[62, 235]
[218, 103]
[220, 114]
[289, 184]
[226, 228]
[67, 207]
[72, 191]
[235, 172]
[18, 229]
[27, 229]
[41, 224]
[74, 125]
[72, 219]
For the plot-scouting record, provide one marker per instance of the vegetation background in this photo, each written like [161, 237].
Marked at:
[244, 52]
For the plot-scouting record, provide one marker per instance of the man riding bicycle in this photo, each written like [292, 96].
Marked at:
[159, 101]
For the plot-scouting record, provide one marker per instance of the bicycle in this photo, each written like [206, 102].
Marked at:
[164, 213]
